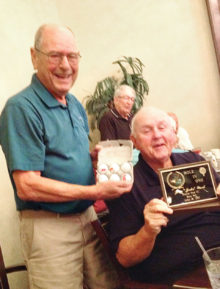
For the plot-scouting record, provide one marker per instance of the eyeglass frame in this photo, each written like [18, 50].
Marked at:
[60, 56]
[127, 98]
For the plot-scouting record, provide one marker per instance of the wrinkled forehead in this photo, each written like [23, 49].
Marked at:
[54, 38]
[152, 118]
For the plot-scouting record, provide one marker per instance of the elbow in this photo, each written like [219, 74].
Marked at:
[23, 195]
[24, 182]
[124, 261]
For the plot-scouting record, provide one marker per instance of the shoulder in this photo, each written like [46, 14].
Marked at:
[107, 115]
[187, 157]
[20, 101]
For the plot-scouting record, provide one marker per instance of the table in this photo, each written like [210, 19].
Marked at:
[196, 279]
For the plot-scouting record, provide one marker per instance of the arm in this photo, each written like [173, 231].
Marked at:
[31, 186]
[135, 248]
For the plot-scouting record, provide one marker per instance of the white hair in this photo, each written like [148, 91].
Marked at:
[122, 88]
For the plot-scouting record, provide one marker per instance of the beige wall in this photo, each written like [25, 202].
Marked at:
[172, 38]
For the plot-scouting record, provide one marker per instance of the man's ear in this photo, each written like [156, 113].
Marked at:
[133, 139]
[34, 57]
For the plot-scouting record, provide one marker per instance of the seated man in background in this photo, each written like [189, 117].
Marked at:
[149, 239]
[115, 124]
[183, 140]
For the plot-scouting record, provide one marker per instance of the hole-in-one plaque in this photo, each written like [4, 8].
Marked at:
[188, 185]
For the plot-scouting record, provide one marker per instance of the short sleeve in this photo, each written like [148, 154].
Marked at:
[21, 134]
[125, 219]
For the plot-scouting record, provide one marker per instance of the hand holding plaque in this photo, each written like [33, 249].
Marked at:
[189, 186]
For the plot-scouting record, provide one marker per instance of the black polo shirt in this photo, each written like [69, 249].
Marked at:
[175, 248]
[113, 126]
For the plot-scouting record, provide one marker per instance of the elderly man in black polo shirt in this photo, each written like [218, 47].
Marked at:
[115, 124]
[151, 241]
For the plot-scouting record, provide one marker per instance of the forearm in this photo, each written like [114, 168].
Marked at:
[33, 187]
[135, 248]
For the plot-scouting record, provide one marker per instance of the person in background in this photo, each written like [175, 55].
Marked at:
[44, 136]
[115, 123]
[150, 240]
[183, 139]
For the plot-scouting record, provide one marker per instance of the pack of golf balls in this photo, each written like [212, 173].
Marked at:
[115, 161]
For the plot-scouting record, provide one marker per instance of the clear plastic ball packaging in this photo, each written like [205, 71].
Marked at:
[115, 161]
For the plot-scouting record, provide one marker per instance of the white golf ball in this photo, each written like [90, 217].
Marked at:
[126, 178]
[102, 178]
[114, 177]
[126, 167]
[114, 168]
[102, 168]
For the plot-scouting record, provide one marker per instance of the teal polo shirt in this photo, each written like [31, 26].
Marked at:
[38, 133]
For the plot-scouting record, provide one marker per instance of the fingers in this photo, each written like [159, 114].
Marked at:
[154, 215]
[122, 184]
[158, 206]
[111, 190]
[94, 152]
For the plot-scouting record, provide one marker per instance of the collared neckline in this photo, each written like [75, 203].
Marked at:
[154, 176]
[45, 95]
[117, 114]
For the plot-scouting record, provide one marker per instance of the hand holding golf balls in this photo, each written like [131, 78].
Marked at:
[115, 172]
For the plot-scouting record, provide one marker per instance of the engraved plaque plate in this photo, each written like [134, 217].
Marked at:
[188, 185]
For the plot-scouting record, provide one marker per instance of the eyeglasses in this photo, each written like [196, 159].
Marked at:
[57, 57]
[132, 99]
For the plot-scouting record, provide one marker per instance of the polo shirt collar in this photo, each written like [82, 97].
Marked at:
[152, 176]
[44, 94]
[117, 115]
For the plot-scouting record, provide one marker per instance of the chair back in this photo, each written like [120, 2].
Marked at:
[3, 274]
[5, 270]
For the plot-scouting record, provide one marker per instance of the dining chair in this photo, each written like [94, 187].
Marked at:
[5, 270]
[197, 279]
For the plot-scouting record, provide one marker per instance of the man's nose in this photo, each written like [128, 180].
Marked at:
[64, 62]
[156, 132]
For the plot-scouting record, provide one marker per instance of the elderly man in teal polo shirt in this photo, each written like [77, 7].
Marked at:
[44, 136]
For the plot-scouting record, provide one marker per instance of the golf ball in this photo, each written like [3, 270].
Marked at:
[102, 178]
[126, 178]
[114, 168]
[102, 168]
[115, 177]
[126, 167]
